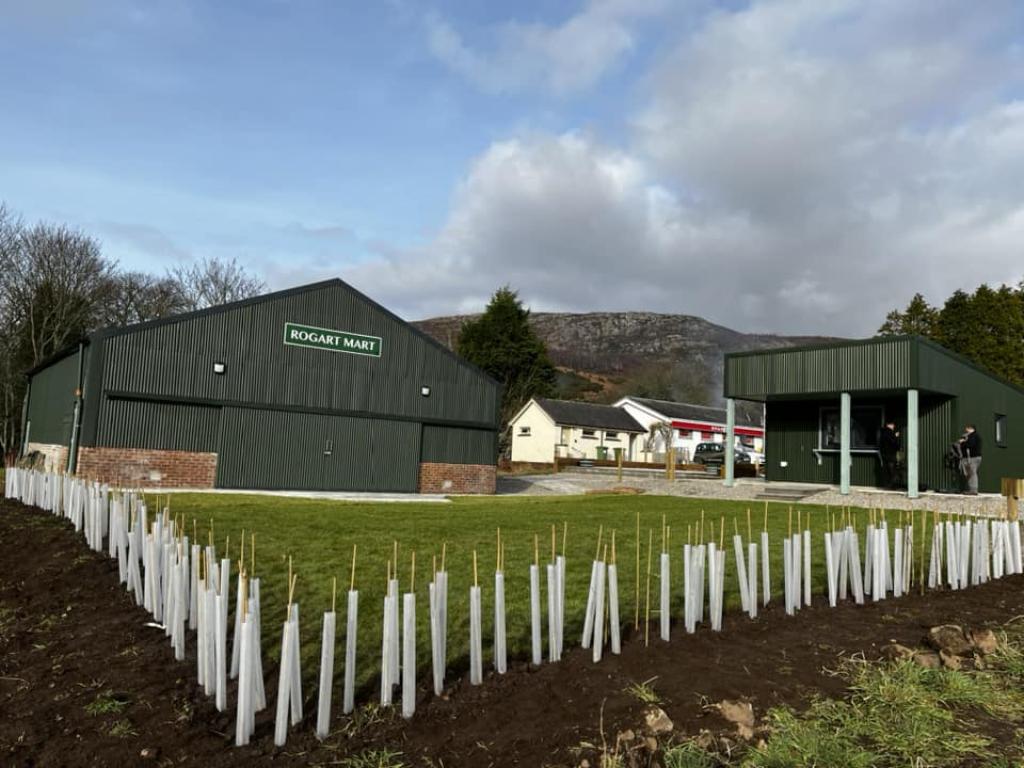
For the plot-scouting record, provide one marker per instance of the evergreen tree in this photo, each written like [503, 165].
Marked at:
[918, 318]
[502, 343]
[986, 327]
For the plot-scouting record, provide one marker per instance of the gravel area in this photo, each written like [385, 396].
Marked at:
[572, 483]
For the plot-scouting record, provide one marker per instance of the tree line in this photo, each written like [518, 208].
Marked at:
[56, 286]
[986, 327]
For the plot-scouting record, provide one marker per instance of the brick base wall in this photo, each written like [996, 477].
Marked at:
[144, 468]
[458, 478]
[55, 457]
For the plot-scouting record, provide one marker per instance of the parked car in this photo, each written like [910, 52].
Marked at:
[756, 457]
[714, 453]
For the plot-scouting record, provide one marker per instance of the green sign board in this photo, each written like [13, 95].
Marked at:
[333, 341]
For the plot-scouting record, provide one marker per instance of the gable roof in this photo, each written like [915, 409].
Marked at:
[579, 414]
[334, 282]
[690, 412]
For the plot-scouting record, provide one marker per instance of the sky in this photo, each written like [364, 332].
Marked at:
[790, 166]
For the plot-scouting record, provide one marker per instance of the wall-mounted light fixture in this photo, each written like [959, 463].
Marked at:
[219, 368]
[425, 390]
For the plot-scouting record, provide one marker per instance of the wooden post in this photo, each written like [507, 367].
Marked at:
[1013, 490]
[619, 455]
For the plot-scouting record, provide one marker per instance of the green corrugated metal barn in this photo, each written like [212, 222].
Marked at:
[826, 401]
[316, 387]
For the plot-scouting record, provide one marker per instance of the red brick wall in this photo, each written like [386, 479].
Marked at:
[458, 478]
[144, 468]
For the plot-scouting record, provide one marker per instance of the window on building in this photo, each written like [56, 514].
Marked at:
[707, 435]
[1001, 430]
[588, 434]
[524, 431]
[611, 435]
[865, 426]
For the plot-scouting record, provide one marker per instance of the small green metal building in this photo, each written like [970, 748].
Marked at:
[317, 387]
[824, 405]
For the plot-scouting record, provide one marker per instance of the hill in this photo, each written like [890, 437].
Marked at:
[605, 355]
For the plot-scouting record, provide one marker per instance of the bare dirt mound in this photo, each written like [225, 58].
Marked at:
[84, 682]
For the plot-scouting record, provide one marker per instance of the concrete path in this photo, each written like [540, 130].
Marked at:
[747, 489]
[374, 498]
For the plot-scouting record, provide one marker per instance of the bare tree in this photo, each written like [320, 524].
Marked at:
[54, 285]
[212, 281]
[137, 296]
[11, 385]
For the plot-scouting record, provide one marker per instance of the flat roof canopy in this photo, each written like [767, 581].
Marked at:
[879, 366]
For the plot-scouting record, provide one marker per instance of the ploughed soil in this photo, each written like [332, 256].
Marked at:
[71, 639]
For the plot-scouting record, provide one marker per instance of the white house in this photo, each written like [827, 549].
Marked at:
[545, 428]
[691, 424]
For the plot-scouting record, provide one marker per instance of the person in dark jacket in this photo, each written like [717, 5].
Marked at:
[970, 444]
[888, 449]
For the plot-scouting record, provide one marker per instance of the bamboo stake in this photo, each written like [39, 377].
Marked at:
[291, 589]
[636, 621]
[647, 610]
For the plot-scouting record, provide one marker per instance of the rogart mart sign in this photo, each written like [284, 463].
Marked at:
[333, 341]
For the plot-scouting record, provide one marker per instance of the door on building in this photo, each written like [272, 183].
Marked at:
[307, 451]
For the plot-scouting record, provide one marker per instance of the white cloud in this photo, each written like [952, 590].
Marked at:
[565, 58]
[572, 223]
[798, 166]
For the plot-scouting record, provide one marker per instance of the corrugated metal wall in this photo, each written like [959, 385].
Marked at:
[791, 436]
[160, 426]
[282, 450]
[878, 364]
[176, 360]
[456, 445]
[276, 407]
[953, 392]
[981, 398]
[51, 405]
[937, 431]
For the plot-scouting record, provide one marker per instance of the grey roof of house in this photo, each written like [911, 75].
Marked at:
[578, 414]
[690, 412]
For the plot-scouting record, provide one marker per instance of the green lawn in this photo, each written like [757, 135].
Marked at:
[319, 535]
